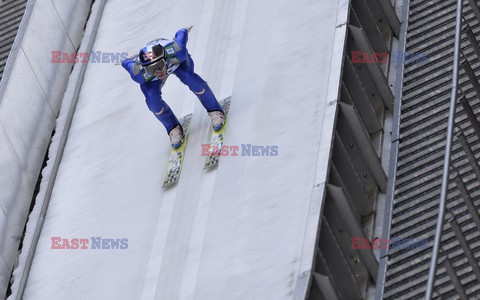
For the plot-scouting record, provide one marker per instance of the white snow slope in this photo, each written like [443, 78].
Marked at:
[243, 231]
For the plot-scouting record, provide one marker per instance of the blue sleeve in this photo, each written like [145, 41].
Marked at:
[129, 65]
[181, 37]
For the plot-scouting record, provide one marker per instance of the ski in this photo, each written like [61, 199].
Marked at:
[175, 160]
[216, 138]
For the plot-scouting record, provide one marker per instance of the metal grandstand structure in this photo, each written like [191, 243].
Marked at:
[357, 173]
[11, 14]
[422, 147]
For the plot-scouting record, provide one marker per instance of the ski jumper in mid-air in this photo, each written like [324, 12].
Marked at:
[155, 62]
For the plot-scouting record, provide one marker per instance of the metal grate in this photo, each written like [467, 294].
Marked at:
[11, 14]
[424, 113]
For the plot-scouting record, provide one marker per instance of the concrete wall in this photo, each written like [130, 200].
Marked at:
[30, 97]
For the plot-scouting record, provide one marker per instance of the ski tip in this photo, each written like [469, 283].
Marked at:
[209, 168]
[169, 184]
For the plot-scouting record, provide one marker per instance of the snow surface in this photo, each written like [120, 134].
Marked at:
[243, 231]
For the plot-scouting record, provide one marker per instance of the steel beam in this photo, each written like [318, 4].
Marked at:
[342, 207]
[390, 15]
[470, 155]
[453, 276]
[466, 249]
[473, 40]
[365, 145]
[471, 115]
[377, 74]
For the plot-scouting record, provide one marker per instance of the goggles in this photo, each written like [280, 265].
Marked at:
[159, 66]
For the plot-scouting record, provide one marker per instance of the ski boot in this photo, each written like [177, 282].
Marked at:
[176, 137]
[218, 119]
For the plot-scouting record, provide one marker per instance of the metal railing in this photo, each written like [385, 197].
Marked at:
[447, 168]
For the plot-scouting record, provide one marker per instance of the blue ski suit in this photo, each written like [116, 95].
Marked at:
[181, 64]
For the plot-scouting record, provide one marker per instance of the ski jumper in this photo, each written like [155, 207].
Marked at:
[180, 63]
